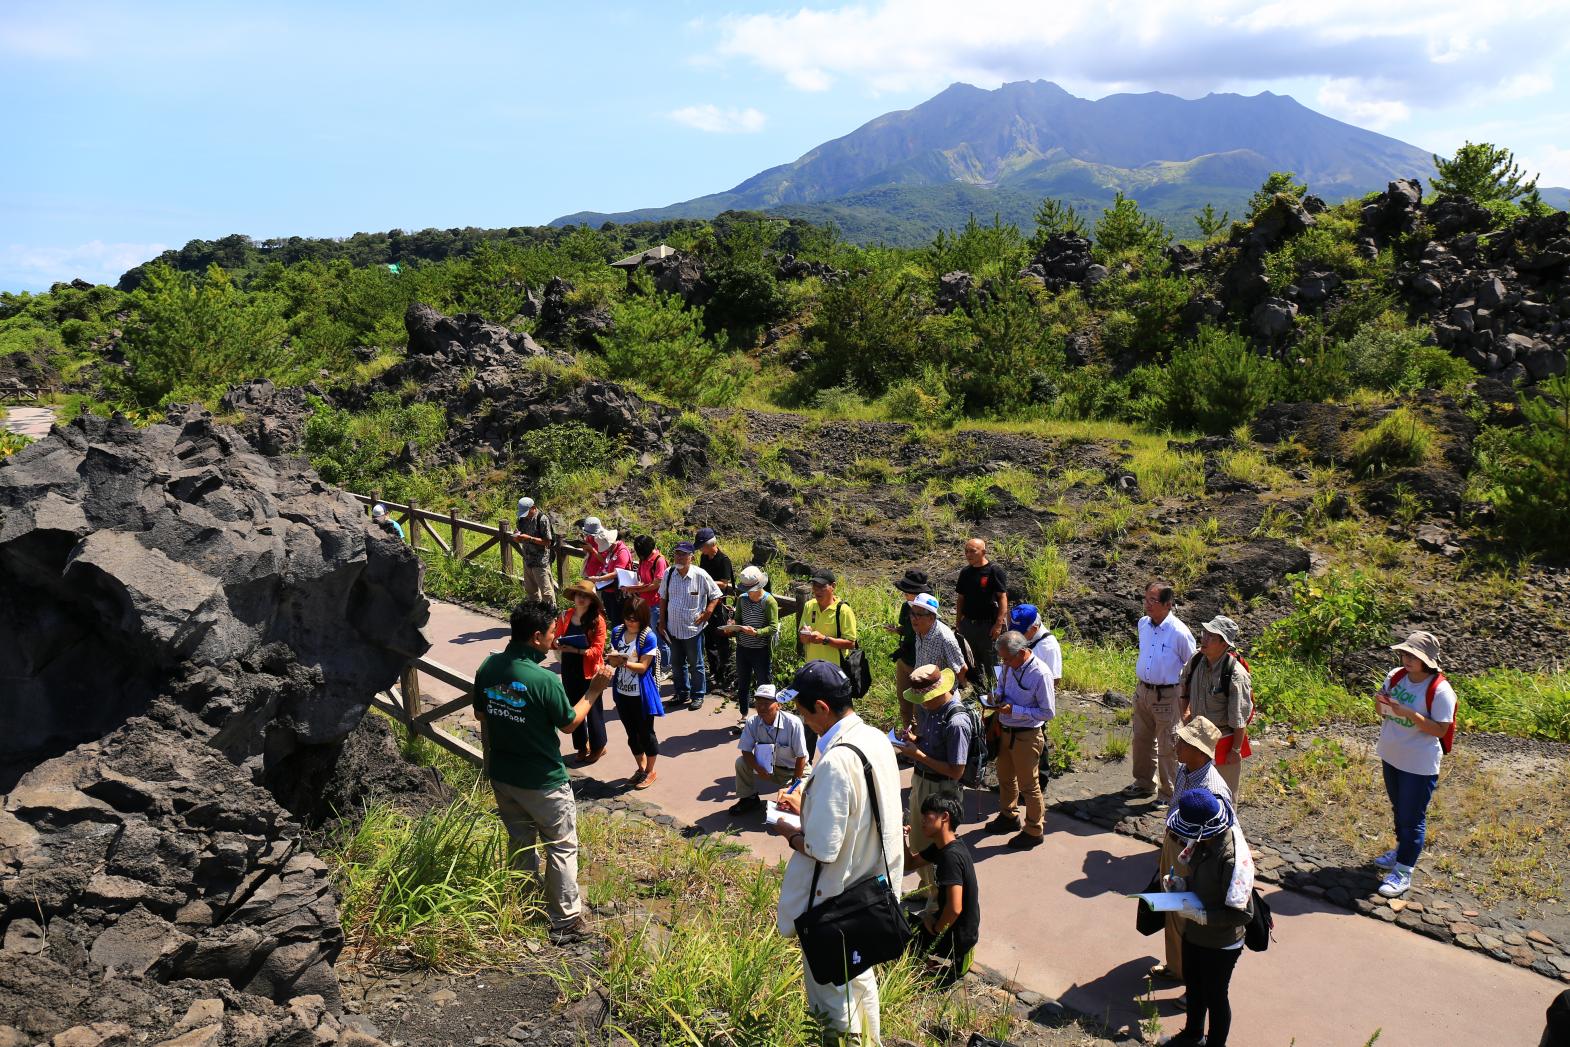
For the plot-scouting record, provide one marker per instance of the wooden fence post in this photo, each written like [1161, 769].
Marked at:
[560, 556]
[505, 544]
[414, 525]
[457, 533]
[410, 683]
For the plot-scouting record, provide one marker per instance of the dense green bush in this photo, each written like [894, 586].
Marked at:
[661, 345]
[194, 337]
[1389, 356]
[995, 250]
[1341, 610]
[1123, 227]
[867, 327]
[358, 451]
[1217, 383]
[1527, 469]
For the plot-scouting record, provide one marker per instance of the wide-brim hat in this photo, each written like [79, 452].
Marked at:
[1200, 814]
[1223, 627]
[928, 682]
[752, 577]
[1201, 734]
[1423, 646]
[582, 588]
[590, 525]
[914, 582]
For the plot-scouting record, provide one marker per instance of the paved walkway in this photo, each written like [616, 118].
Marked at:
[1058, 921]
[28, 421]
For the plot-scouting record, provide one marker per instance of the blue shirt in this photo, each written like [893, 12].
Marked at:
[1029, 690]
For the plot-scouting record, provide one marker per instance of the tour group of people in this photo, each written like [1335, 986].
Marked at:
[635, 616]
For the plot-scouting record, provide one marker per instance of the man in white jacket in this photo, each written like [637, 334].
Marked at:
[839, 833]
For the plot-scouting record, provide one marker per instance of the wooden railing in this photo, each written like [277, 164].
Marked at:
[22, 393]
[433, 525]
[404, 704]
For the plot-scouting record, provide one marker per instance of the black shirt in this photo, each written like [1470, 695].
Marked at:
[953, 865]
[982, 587]
[719, 568]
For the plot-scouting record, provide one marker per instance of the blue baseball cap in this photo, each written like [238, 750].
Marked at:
[1023, 616]
[704, 536]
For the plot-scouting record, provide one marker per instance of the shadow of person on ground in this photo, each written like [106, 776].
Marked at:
[501, 632]
[1123, 985]
[1107, 874]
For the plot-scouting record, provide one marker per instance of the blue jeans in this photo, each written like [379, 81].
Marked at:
[754, 667]
[687, 672]
[1409, 795]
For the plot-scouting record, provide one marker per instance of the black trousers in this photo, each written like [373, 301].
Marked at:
[1207, 975]
[590, 735]
[640, 725]
[753, 668]
[717, 656]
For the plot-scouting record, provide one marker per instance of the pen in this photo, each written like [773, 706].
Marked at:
[792, 786]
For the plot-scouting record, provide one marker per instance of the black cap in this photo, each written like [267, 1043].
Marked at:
[824, 576]
[816, 681]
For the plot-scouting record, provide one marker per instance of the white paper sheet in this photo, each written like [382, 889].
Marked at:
[763, 752]
[1173, 901]
[626, 578]
[772, 815]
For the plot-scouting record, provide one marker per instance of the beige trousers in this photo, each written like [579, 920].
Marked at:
[920, 789]
[907, 710]
[851, 1011]
[1019, 777]
[747, 776]
[1232, 773]
[1171, 847]
[539, 583]
[1155, 739]
[549, 815]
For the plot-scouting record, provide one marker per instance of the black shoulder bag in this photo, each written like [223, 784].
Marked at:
[845, 935]
[853, 660]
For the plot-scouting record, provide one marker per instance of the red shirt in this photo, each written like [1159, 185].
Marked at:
[594, 657]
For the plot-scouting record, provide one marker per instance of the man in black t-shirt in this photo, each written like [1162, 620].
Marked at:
[716, 644]
[949, 935]
[981, 610]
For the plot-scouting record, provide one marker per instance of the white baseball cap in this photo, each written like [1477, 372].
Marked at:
[927, 602]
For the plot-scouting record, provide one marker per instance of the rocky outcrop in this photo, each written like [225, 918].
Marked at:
[1064, 260]
[493, 404]
[565, 321]
[681, 275]
[463, 335]
[185, 625]
[272, 419]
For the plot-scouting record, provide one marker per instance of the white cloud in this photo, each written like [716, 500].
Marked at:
[713, 119]
[1377, 63]
[36, 267]
[1344, 99]
[1550, 163]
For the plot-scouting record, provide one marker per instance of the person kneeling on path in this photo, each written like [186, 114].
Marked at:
[1196, 749]
[839, 843]
[773, 749]
[949, 932]
[521, 706]
[1025, 701]
[1221, 873]
[1418, 708]
[1217, 686]
[938, 746]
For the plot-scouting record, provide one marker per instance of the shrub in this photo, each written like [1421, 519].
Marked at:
[1276, 183]
[660, 345]
[1124, 227]
[1391, 357]
[925, 400]
[1400, 439]
[1527, 469]
[1217, 383]
[1342, 610]
[357, 451]
[867, 327]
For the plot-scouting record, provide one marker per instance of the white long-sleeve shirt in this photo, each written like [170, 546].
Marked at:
[1163, 650]
[837, 824]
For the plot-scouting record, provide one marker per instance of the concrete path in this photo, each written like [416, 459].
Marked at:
[28, 421]
[1058, 920]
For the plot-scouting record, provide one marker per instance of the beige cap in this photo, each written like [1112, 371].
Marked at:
[1425, 646]
[1201, 734]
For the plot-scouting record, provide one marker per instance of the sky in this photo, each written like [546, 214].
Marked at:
[135, 127]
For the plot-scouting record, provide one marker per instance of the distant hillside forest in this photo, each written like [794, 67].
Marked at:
[1080, 317]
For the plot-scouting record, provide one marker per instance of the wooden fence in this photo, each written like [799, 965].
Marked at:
[404, 704]
[21, 394]
[419, 522]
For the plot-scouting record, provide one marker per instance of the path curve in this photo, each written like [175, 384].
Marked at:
[1057, 919]
[34, 422]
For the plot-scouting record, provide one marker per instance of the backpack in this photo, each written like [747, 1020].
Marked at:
[970, 663]
[1261, 925]
[1447, 741]
[977, 758]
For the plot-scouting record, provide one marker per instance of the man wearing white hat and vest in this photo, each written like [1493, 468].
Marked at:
[1217, 686]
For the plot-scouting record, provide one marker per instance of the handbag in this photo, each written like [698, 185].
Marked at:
[843, 936]
[1261, 925]
[1147, 921]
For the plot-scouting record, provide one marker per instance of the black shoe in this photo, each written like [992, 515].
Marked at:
[1001, 824]
[574, 930]
[1024, 842]
[745, 805]
[695, 705]
[1181, 1039]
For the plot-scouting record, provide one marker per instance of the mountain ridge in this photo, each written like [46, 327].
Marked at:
[1031, 139]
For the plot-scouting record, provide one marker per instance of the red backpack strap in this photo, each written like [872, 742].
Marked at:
[1447, 740]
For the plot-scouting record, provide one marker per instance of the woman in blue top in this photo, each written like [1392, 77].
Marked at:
[633, 649]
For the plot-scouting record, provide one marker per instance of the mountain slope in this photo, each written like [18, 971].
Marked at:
[1034, 139]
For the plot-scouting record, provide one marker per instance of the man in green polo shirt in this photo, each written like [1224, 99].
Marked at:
[521, 706]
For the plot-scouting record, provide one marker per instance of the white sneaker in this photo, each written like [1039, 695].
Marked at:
[1396, 883]
[1386, 860]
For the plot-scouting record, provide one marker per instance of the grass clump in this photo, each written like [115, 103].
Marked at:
[1162, 472]
[1400, 439]
[1096, 669]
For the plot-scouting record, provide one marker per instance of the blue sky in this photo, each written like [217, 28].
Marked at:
[136, 127]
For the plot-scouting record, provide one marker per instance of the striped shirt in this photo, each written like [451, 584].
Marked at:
[1206, 777]
[763, 615]
[939, 648]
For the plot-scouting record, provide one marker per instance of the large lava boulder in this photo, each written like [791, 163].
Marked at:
[184, 624]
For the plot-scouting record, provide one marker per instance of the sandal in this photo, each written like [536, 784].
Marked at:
[646, 781]
[637, 776]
